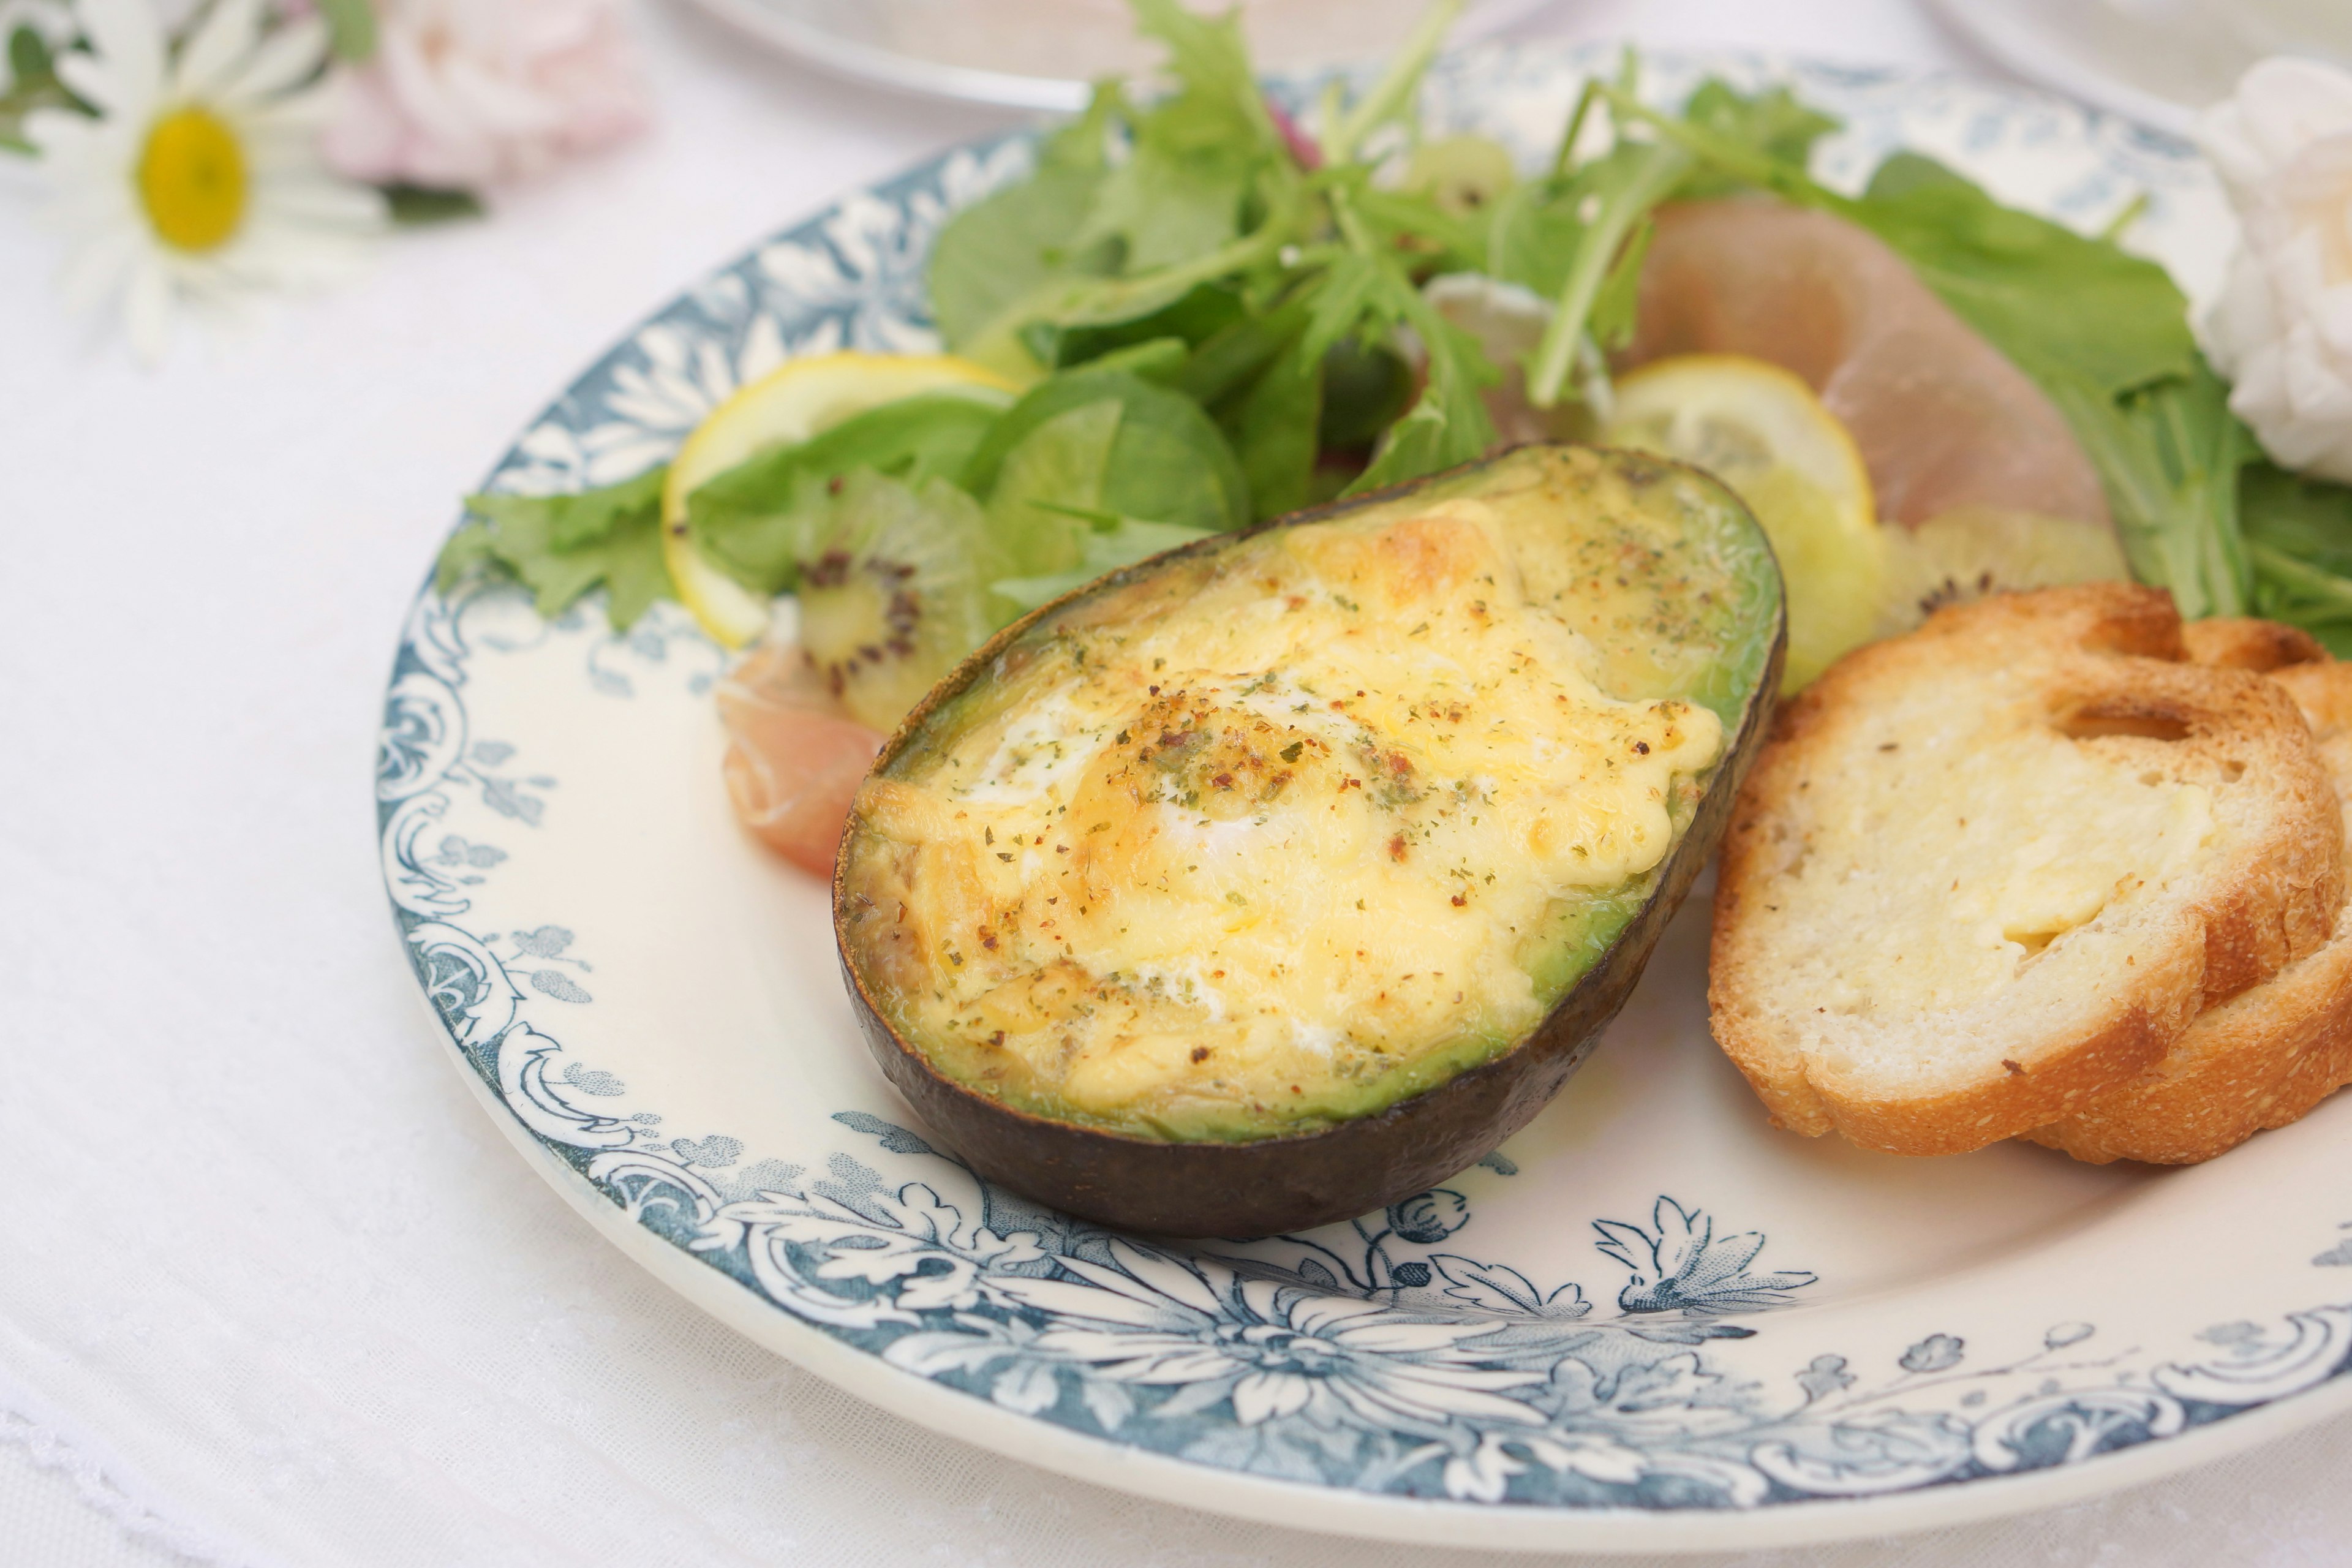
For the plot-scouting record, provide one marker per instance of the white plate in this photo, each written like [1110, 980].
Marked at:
[1044, 54]
[1649, 1323]
[2159, 63]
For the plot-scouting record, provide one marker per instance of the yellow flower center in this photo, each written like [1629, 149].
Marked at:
[191, 180]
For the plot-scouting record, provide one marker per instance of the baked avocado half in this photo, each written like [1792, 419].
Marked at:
[1279, 877]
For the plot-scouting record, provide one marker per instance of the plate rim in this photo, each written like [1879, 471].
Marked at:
[1337, 1509]
[1427, 1522]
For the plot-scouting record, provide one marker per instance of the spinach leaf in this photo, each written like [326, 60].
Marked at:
[1194, 316]
[1168, 462]
[1015, 242]
[1049, 483]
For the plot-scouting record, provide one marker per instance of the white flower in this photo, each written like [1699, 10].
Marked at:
[199, 181]
[2282, 329]
[470, 93]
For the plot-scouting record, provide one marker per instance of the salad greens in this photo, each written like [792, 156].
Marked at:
[561, 546]
[1218, 318]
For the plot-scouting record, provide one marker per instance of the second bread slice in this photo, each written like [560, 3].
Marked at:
[2268, 1054]
[1990, 870]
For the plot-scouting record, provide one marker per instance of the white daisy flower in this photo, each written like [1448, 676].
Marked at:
[198, 182]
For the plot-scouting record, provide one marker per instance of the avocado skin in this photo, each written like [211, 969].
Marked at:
[1269, 1186]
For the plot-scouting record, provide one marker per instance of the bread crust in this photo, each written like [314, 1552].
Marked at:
[2268, 1056]
[2241, 642]
[2104, 661]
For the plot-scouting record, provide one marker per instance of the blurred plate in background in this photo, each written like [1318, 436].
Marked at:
[1042, 54]
[2156, 61]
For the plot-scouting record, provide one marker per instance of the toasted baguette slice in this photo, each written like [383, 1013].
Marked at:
[2268, 1054]
[1988, 871]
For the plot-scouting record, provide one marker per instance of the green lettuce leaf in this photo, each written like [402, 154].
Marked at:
[562, 546]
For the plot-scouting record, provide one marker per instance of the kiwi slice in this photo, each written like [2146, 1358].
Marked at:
[1463, 174]
[1973, 552]
[892, 595]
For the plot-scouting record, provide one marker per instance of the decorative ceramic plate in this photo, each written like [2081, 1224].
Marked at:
[1648, 1322]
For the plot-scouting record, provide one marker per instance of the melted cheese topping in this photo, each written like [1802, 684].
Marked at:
[1283, 843]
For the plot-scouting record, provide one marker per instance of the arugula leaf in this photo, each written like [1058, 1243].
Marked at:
[1580, 235]
[1441, 241]
[561, 546]
[2169, 455]
[1391, 96]
[2043, 294]
[754, 520]
[2305, 518]
[2299, 538]
[1624, 186]
[1196, 156]
[1774, 123]
[1449, 425]
[1616, 304]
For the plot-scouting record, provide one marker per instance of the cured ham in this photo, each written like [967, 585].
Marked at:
[1943, 420]
[793, 758]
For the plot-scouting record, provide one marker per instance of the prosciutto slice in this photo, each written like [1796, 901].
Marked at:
[1943, 420]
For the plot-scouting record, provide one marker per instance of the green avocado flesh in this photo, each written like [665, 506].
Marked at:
[1280, 829]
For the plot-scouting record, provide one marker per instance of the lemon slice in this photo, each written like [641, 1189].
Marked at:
[803, 398]
[1762, 431]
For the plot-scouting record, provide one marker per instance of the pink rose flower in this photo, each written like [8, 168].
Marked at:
[470, 92]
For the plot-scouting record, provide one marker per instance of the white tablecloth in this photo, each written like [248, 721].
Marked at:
[272, 1290]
